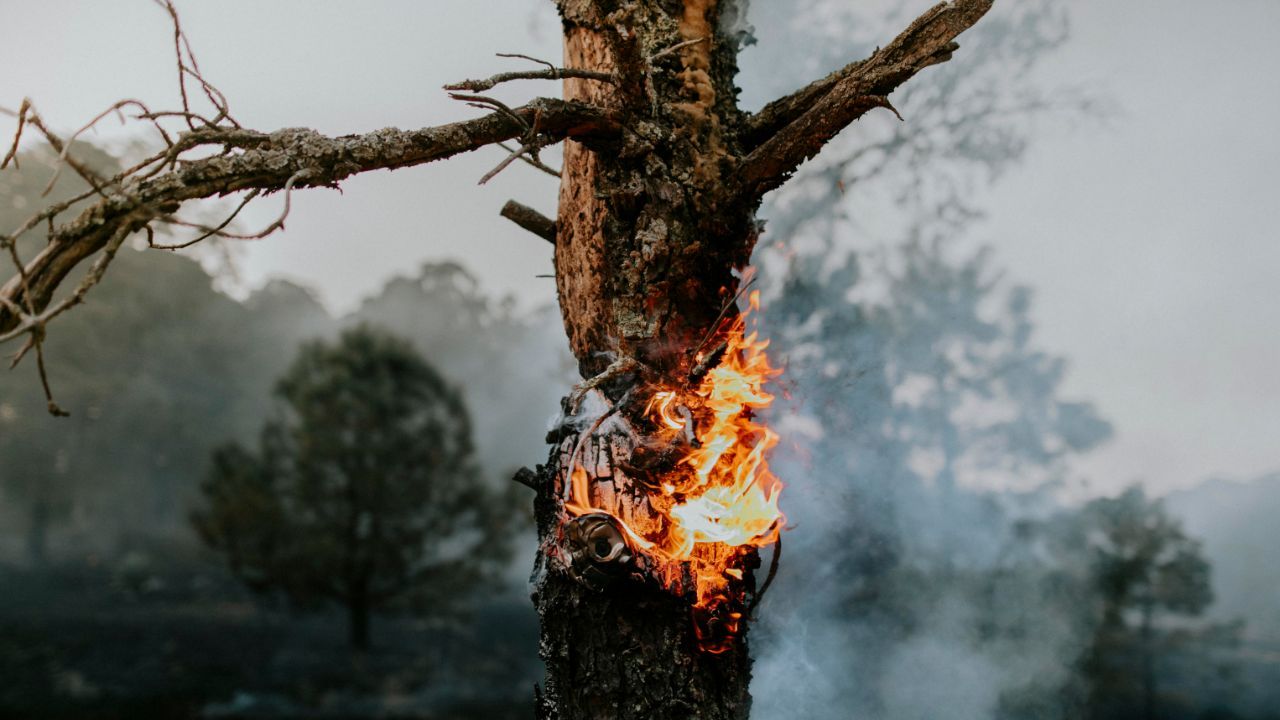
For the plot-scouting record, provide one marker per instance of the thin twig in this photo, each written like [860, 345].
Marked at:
[65, 150]
[530, 58]
[532, 161]
[715, 326]
[674, 48]
[555, 73]
[182, 44]
[551, 73]
[276, 224]
[52, 406]
[773, 572]
[208, 231]
[510, 158]
[13, 149]
[485, 102]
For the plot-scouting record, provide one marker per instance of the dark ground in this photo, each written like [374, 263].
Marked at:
[130, 642]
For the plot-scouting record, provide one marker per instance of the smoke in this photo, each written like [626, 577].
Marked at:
[895, 604]
[923, 428]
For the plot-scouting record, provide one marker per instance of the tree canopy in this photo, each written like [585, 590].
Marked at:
[363, 491]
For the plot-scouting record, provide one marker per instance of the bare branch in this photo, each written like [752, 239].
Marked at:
[792, 129]
[54, 410]
[532, 161]
[526, 477]
[268, 163]
[64, 147]
[551, 73]
[676, 48]
[209, 232]
[188, 65]
[530, 219]
[17, 135]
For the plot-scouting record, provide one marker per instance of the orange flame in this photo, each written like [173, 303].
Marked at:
[721, 499]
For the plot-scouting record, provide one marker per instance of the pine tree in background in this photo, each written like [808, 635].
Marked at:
[363, 492]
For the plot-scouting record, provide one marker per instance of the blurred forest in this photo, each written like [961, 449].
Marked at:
[932, 563]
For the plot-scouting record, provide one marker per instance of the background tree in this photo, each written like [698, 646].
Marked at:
[491, 351]
[364, 493]
[195, 369]
[1146, 571]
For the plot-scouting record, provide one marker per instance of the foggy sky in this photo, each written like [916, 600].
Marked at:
[1150, 240]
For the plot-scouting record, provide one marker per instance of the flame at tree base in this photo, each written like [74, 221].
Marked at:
[695, 497]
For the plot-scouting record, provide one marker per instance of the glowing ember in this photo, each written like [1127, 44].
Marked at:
[718, 499]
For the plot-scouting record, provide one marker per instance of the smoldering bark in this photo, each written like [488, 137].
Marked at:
[628, 651]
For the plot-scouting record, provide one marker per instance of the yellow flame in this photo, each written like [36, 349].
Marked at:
[726, 501]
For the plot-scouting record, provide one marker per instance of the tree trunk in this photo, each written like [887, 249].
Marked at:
[653, 229]
[1147, 651]
[38, 533]
[358, 622]
[647, 241]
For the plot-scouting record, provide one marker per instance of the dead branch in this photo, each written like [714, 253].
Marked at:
[532, 161]
[773, 572]
[17, 136]
[530, 219]
[551, 73]
[219, 230]
[511, 157]
[268, 162]
[792, 129]
[526, 477]
[676, 48]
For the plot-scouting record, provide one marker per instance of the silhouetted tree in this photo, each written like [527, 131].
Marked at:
[1145, 570]
[363, 492]
[492, 351]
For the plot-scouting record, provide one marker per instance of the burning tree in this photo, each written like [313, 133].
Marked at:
[656, 496]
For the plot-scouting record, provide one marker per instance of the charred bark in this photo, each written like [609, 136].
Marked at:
[621, 646]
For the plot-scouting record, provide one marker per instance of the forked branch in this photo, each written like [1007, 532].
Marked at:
[792, 129]
[550, 73]
[265, 162]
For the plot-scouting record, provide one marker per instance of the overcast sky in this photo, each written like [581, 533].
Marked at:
[1151, 243]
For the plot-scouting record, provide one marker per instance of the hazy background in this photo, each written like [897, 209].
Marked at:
[1141, 224]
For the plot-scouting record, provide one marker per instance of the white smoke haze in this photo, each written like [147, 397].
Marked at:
[915, 392]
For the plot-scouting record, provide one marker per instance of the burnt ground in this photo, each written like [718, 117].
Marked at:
[133, 641]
